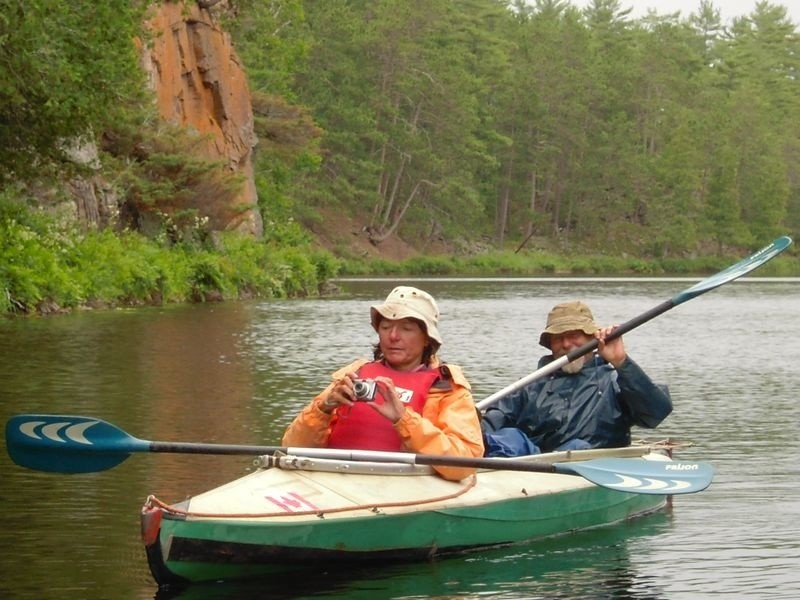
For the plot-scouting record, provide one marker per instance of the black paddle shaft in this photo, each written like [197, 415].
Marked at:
[621, 330]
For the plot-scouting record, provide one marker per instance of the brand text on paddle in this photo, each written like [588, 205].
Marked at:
[682, 467]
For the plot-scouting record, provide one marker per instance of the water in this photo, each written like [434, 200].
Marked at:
[238, 373]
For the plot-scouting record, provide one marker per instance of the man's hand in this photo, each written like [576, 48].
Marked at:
[614, 351]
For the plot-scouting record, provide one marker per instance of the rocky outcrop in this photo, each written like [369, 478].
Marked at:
[200, 84]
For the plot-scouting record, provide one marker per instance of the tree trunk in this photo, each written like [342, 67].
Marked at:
[398, 217]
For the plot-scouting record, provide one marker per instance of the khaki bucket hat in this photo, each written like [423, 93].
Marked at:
[568, 316]
[409, 302]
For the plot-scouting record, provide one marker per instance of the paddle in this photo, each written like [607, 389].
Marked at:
[743, 267]
[74, 444]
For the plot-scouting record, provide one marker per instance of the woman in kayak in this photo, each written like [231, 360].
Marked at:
[404, 400]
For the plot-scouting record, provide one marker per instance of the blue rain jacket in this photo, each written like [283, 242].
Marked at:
[594, 408]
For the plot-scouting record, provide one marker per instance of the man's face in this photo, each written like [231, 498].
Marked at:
[562, 343]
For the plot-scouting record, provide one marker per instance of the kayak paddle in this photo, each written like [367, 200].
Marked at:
[75, 444]
[743, 267]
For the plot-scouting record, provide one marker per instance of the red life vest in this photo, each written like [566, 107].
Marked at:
[361, 427]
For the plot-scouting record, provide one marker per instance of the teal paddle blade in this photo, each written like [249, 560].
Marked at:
[733, 272]
[68, 444]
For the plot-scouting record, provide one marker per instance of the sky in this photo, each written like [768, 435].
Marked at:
[727, 8]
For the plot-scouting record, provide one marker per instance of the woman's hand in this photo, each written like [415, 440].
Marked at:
[392, 407]
[342, 393]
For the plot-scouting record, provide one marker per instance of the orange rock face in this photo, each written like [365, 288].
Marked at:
[200, 84]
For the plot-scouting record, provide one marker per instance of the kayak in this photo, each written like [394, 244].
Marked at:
[298, 512]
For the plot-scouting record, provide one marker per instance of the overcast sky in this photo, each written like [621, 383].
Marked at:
[728, 8]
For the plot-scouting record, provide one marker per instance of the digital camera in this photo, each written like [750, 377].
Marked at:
[365, 389]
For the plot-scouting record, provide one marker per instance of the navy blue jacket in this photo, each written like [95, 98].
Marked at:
[599, 405]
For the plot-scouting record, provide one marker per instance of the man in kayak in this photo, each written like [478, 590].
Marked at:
[592, 402]
[405, 399]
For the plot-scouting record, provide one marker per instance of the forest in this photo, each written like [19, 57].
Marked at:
[661, 136]
[474, 125]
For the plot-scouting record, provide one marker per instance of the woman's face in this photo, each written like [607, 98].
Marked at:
[402, 343]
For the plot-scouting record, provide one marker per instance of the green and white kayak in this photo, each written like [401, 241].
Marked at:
[306, 508]
[297, 512]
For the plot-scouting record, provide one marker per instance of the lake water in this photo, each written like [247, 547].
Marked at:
[239, 372]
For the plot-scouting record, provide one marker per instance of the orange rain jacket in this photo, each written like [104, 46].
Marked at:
[448, 425]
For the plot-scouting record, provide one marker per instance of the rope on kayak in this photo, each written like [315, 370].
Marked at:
[153, 502]
[667, 445]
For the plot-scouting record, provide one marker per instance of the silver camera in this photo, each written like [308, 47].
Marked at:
[365, 389]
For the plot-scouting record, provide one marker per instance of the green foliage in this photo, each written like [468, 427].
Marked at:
[277, 211]
[429, 265]
[31, 269]
[508, 263]
[296, 274]
[207, 279]
[170, 192]
[404, 132]
[545, 264]
[111, 268]
[272, 39]
[45, 266]
[67, 69]
[583, 127]
[326, 265]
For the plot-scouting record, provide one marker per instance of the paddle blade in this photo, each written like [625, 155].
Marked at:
[743, 267]
[68, 444]
[643, 476]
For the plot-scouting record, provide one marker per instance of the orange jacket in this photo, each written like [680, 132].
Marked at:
[448, 425]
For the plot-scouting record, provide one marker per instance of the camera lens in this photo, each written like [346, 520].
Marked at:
[364, 389]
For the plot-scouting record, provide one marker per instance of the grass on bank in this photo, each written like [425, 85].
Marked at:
[46, 267]
[545, 264]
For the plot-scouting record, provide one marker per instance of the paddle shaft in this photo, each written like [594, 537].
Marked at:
[625, 474]
[355, 455]
[77, 444]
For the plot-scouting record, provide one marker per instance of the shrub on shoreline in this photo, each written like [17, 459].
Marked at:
[46, 268]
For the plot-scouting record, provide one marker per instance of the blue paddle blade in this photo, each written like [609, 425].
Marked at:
[643, 476]
[743, 267]
[68, 444]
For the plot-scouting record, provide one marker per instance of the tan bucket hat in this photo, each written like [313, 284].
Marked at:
[409, 302]
[568, 316]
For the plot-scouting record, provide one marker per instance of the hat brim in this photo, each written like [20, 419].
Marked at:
[394, 312]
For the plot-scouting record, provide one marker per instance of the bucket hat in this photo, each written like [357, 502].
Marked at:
[409, 302]
[568, 316]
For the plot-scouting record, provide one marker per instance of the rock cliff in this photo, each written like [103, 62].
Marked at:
[200, 84]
